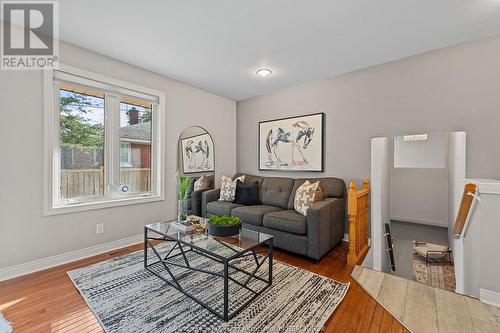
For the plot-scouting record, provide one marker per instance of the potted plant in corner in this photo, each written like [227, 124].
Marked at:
[183, 184]
[223, 225]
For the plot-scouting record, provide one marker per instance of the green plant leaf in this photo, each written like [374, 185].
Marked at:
[224, 220]
[183, 183]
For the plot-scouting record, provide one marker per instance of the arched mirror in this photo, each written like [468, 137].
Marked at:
[196, 152]
[196, 160]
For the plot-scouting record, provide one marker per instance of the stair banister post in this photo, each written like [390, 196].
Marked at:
[352, 209]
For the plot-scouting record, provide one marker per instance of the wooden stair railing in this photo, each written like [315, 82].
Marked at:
[357, 209]
[464, 209]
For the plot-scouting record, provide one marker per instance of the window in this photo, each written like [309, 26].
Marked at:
[135, 138]
[125, 155]
[103, 143]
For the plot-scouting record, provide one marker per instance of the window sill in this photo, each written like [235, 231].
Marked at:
[80, 207]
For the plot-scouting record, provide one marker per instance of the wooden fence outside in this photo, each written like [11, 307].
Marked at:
[90, 182]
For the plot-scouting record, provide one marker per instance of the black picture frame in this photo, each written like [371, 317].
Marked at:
[288, 169]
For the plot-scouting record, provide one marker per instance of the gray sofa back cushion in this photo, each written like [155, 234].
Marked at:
[275, 191]
[332, 188]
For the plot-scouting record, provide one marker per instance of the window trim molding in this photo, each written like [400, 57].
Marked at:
[51, 142]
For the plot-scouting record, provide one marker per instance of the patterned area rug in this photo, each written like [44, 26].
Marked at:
[5, 326]
[436, 275]
[127, 298]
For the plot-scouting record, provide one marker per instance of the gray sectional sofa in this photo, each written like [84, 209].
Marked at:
[312, 236]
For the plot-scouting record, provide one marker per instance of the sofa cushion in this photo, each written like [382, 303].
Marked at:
[228, 187]
[221, 207]
[307, 195]
[275, 191]
[253, 214]
[202, 183]
[251, 179]
[331, 187]
[247, 194]
[287, 221]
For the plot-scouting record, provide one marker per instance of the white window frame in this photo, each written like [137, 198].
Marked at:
[112, 198]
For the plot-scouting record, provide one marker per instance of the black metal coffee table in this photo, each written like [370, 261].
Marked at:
[223, 250]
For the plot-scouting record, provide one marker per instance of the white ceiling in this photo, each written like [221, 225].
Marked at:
[218, 45]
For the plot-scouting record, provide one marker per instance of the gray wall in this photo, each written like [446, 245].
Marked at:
[420, 195]
[419, 180]
[430, 153]
[25, 234]
[456, 88]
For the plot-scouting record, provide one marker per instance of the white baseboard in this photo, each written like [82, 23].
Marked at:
[489, 297]
[44, 263]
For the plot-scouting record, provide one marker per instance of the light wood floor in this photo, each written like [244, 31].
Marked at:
[425, 309]
[47, 301]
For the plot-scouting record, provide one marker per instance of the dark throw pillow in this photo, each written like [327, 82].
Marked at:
[246, 194]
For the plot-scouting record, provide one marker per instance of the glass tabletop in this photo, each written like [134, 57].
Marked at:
[223, 247]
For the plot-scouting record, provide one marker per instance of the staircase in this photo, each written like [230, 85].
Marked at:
[357, 209]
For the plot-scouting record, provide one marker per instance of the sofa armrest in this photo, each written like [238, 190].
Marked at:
[208, 196]
[196, 202]
[325, 226]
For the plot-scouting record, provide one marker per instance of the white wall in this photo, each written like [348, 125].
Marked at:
[488, 217]
[456, 175]
[419, 180]
[380, 200]
[457, 147]
[420, 195]
[430, 153]
[477, 267]
[25, 234]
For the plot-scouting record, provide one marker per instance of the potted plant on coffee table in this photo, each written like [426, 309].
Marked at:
[223, 225]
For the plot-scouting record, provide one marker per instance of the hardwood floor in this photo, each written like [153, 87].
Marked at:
[47, 301]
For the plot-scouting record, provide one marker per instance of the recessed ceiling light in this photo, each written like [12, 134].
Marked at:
[264, 72]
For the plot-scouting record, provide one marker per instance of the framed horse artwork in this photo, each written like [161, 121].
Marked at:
[292, 144]
[197, 154]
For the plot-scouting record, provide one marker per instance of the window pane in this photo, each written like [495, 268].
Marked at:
[81, 142]
[135, 146]
[125, 154]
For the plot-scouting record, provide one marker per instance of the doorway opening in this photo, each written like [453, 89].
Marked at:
[414, 184]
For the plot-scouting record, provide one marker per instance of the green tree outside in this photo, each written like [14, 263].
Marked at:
[77, 130]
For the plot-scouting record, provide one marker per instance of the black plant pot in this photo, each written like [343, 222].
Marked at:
[219, 231]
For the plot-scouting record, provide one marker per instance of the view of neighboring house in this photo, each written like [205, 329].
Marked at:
[135, 150]
[135, 144]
